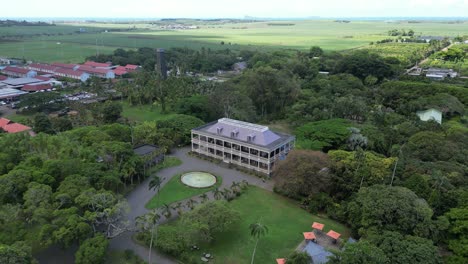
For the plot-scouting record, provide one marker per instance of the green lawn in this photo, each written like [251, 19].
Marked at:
[286, 223]
[175, 191]
[144, 112]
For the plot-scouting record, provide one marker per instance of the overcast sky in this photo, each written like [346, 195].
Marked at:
[234, 8]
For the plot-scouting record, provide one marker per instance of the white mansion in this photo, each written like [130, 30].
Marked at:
[245, 144]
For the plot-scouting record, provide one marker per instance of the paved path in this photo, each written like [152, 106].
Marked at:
[141, 195]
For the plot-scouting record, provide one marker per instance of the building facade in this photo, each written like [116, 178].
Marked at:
[244, 144]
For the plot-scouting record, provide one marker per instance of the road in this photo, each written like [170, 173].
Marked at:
[141, 194]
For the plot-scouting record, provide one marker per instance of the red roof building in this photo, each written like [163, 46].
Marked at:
[309, 236]
[36, 87]
[64, 65]
[281, 261]
[42, 67]
[19, 72]
[120, 70]
[12, 127]
[69, 73]
[131, 67]
[98, 64]
[42, 78]
[2, 78]
[333, 234]
[317, 226]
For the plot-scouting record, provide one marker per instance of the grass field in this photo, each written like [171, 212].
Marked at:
[257, 35]
[408, 53]
[175, 191]
[286, 223]
[144, 112]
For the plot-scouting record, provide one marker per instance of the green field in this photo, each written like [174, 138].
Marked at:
[408, 53]
[175, 191]
[329, 35]
[286, 223]
[144, 112]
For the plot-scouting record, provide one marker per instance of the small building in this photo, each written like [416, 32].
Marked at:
[9, 61]
[11, 127]
[430, 114]
[70, 73]
[440, 74]
[151, 154]
[240, 66]
[19, 72]
[429, 38]
[248, 145]
[98, 72]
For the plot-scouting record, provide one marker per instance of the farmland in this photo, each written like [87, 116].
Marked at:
[40, 43]
[408, 53]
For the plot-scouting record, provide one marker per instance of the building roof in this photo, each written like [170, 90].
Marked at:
[64, 65]
[42, 66]
[131, 67]
[120, 70]
[317, 226]
[242, 131]
[144, 150]
[12, 127]
[281, 261]
[36, 87]
[2, 78]
[42, 78]
[333, 234]
[98, 64]
[318, 253]
[309, 236]
[20, 81]
[92, 70]
[10, 92]
[69, 72]
[16, 69]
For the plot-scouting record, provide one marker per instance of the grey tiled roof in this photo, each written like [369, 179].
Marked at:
[243, 131]
[145, 149]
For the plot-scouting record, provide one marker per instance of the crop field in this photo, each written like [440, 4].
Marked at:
[408, 53]
[40, 42]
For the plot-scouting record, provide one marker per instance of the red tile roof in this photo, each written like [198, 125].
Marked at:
[318, 226]
[281, 261]
[92, 70]
[333, 234]
[98, 64]
[131, 67]
[37, 87]
[42, 67]
[12, 127]
[309, 235]
[68, 72]
[120, 70]
[16, 69]
[64, 65]
[3, 77]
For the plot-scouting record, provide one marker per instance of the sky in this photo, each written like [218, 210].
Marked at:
[233, 8]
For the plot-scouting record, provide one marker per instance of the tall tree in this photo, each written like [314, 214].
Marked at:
[257, 230]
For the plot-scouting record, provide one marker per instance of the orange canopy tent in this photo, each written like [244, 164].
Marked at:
[309, 236]
[281, 261]
[333, 234]
[317, 226]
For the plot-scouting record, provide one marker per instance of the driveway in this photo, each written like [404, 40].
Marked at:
[141, 195]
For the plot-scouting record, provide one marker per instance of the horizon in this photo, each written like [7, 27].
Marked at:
[210, 9]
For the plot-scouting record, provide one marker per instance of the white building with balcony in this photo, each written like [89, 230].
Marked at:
[244, 144]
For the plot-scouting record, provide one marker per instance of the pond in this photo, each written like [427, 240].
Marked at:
[197, 179]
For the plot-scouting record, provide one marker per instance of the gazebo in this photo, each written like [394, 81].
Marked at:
[334, 235]
[281, 261]
[318, 226]
[309, 236]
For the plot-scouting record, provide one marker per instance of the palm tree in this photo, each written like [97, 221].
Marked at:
[235, 186]
[204, 197]
[155, 183]
[257, 230]
[146, 222]
[244, 184]
[217, 194]
[166, 211]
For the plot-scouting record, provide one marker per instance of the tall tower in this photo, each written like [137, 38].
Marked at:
[161, 67]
